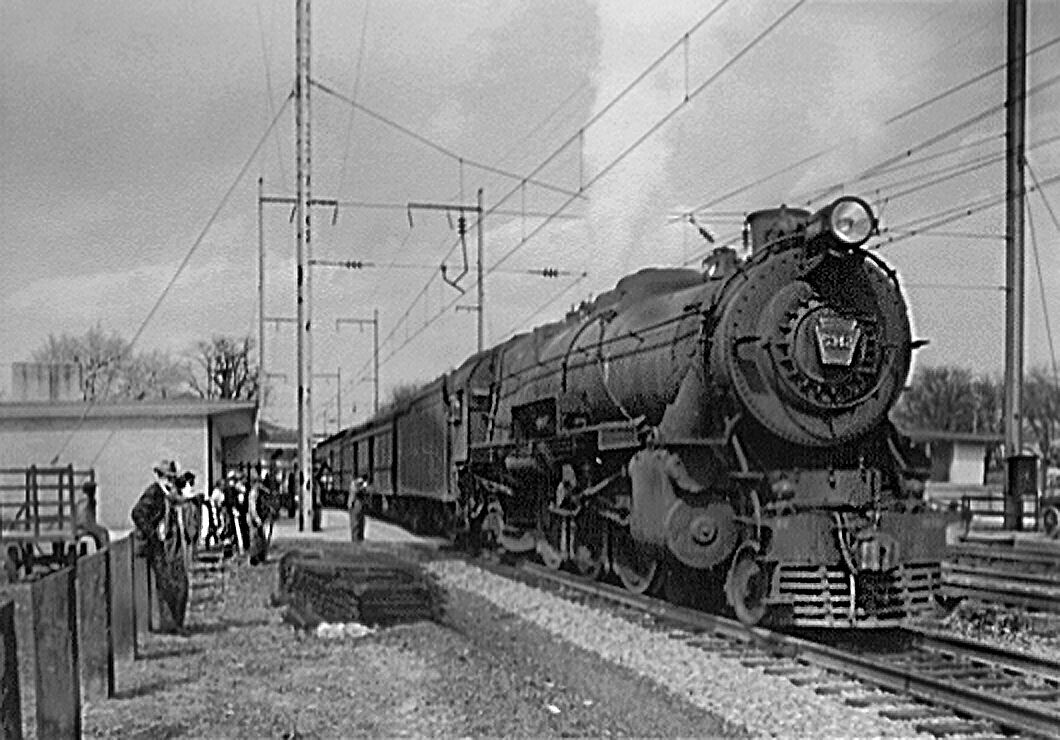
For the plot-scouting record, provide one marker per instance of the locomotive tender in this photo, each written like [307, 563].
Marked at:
[721, 435]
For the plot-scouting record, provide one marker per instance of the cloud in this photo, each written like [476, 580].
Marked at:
[214, 294]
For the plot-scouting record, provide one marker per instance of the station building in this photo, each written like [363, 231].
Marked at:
[48, 426]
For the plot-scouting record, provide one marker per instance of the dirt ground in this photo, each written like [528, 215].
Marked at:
[477, 672]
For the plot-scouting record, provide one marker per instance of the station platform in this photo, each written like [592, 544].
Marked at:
[335, 527]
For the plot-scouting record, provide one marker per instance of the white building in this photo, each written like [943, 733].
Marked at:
[123, 441]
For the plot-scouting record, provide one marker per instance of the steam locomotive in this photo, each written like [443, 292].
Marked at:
[721, 435]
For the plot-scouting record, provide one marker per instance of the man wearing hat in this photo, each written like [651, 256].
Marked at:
[161, 541]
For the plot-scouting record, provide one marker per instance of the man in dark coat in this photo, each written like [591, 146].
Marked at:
[161, 541]
[356, 505]
[260, 512]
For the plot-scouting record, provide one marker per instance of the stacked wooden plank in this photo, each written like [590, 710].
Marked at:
[365, 587]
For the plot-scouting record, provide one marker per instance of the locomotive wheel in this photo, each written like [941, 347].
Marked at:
[550, 556]
[635, 566]
[746, 588]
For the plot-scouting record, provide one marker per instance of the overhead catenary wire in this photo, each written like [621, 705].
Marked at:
[950, 215]
[887, 164]
[936, 138]
[1038, 266]
[692, 94]
[573, 95]
[954, 171]
[268, 88]
[173, 279]
[402, 207]
[969, 82]
[578, 136]
[462, 160]
[546, 272]
[543, 307]
[356, 90]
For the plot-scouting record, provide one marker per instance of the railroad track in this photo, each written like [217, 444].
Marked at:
[944, 686]
[1000, 573]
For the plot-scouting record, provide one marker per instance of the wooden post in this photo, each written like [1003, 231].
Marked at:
[58, 689]
[141, 599]
[10, 700]
[95, 648]
[122, 616]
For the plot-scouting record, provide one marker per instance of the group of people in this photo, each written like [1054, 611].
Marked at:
[173, 519]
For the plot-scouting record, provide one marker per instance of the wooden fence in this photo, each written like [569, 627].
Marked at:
[85, 621]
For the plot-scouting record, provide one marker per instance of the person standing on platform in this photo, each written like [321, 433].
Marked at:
[236, 505]
[161, 541]
[356, 509]
[190, 512]
[260, 512]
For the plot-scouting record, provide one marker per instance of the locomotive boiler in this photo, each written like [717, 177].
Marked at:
[720, 434]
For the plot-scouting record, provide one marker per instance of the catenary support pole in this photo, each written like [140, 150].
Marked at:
[1017, 480]
[261, 313]
[307, 508]
[481, 284]
[375, 359]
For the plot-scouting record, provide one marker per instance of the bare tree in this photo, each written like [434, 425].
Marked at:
[223, 370]
[153, 375]
[110, 369]
[939, 398]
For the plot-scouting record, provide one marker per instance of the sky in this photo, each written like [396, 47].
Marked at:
[133, 134]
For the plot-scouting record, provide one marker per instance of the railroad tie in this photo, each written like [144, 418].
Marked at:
[952, 727]
[913, 711]
[862, 701]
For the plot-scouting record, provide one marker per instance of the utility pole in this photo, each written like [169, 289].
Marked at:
[375, 359]
[374, 321]
[1021, 476]
[303, 284]
[479, 211]
[261, 315]
[481, 284]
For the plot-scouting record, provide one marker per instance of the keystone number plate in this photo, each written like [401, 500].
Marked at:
[837, 338]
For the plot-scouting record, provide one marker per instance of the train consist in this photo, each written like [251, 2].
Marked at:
[721, 435]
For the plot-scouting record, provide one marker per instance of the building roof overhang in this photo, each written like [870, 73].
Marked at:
[146, 409]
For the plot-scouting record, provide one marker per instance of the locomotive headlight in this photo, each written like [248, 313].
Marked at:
[851, 221]
[846, 224]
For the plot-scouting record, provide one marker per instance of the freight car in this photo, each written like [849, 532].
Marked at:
[720, 435]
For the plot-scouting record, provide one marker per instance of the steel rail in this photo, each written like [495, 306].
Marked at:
[1021, 717]
[1022, 662]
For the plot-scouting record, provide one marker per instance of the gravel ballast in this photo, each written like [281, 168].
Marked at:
[478, 672]
[765, 705]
